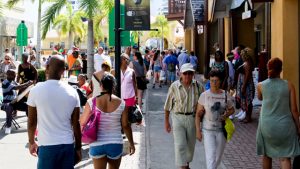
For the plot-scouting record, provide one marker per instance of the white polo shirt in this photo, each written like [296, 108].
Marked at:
[55, 102]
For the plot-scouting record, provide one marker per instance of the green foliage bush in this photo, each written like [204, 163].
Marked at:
[41, 75]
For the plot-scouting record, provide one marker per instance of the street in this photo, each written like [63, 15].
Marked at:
[154, 147]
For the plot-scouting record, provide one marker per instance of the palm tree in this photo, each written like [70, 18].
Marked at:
[161, 23]
[1, 8]
[11, 4]
[70, 24]
[91, 8]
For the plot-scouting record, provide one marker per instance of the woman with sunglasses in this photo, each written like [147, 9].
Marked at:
[5, 65]
[214, 106]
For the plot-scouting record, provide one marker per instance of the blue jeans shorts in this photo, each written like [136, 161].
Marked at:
[111, 151]
[157, 68]
[171, 76]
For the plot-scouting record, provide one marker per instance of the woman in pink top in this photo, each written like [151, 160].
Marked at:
[128, 82]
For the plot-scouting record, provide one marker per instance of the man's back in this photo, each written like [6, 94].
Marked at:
[55, 102]
[183, 58]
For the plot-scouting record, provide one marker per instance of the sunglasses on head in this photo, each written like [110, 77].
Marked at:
[188, 73]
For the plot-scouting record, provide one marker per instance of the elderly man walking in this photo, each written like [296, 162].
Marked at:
[182, 100]
[54, 106]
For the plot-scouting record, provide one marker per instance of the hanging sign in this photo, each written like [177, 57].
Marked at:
[137, 14]
[198, 10]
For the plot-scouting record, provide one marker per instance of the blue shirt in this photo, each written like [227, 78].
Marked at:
[171, 59]
[9, 92]
[183, 58]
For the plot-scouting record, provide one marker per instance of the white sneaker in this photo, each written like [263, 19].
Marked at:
[239, 114]
[8, 130]
[231, 117]
[242, 117]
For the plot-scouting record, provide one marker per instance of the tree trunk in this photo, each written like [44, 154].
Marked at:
[70, 40]
[38, 37]
[90, 49]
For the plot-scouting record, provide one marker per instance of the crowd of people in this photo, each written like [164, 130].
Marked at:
[59, 110]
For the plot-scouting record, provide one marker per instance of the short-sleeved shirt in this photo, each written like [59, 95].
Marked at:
[9, 92]
[171, 62]
[55, 102]
[182, 100]
[215, 106]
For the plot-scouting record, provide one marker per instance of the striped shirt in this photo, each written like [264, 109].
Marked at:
[181, 99]
[9, 92]
[109, 129]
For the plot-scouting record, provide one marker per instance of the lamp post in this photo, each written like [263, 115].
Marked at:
[117, 46]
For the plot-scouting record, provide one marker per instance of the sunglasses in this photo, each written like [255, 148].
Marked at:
[188, 73]
[6, 58]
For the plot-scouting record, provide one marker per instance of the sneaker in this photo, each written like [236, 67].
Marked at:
[160, 86]
[231, 117]
[239, 114]
[242, 117]
[153, 86]
[8, 130]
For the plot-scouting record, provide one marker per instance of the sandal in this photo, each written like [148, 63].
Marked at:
[246, 121]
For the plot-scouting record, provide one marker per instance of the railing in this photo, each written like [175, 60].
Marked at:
[176, 9]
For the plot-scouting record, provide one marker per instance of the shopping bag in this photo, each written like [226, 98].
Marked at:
[162, 76]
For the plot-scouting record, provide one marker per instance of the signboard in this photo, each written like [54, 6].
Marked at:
[198, 10]
[125, 35]
[137, 14]
[22, 34]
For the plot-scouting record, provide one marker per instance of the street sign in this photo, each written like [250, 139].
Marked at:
[137, 14]
[22, 34]
[125, 35]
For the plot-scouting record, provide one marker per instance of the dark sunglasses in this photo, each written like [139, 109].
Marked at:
[6, 59]
[188, 73]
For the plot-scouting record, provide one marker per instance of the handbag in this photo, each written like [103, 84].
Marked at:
[135, 114]
[228, 127]
[89, 131]
[162, 76]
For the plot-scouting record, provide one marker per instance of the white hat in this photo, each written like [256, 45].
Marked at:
[187, 67]
[184, 50]
[72, 79]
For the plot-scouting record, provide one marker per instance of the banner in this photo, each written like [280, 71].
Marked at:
[137, 14]
[198, 10]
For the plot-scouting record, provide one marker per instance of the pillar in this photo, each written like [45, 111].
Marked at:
[227, 36]
[188, 39]
[285, 38]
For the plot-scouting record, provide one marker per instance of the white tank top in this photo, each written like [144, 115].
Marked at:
[109, 128]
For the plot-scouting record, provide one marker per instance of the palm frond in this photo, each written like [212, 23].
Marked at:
[50, 14]
[11, 3]
[1, 8]
[90, 6]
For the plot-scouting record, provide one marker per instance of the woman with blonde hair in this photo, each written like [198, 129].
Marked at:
[279, 128]
[245, 85]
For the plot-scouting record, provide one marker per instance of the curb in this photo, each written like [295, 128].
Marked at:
[147, 134]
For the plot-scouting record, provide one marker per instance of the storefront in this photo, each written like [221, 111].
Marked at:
[8, 29]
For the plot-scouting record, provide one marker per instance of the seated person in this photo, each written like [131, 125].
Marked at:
[83, 84]
[10, 104]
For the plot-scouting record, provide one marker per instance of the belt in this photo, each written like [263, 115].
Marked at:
[186, 114]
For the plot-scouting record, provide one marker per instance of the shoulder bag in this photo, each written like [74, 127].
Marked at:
[89, 131]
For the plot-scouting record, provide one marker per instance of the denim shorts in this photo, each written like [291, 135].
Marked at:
[111, 151]
[171, 76]
[157, 68]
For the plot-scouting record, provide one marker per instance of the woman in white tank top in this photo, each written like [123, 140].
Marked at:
[109, 145]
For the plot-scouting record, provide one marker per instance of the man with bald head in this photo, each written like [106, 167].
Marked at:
[53, 105]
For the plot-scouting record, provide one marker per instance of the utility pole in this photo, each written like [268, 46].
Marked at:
[117, 46]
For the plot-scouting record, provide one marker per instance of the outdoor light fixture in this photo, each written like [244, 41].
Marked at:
[200, 29]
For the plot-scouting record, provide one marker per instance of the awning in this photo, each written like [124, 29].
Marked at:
[218, 9]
